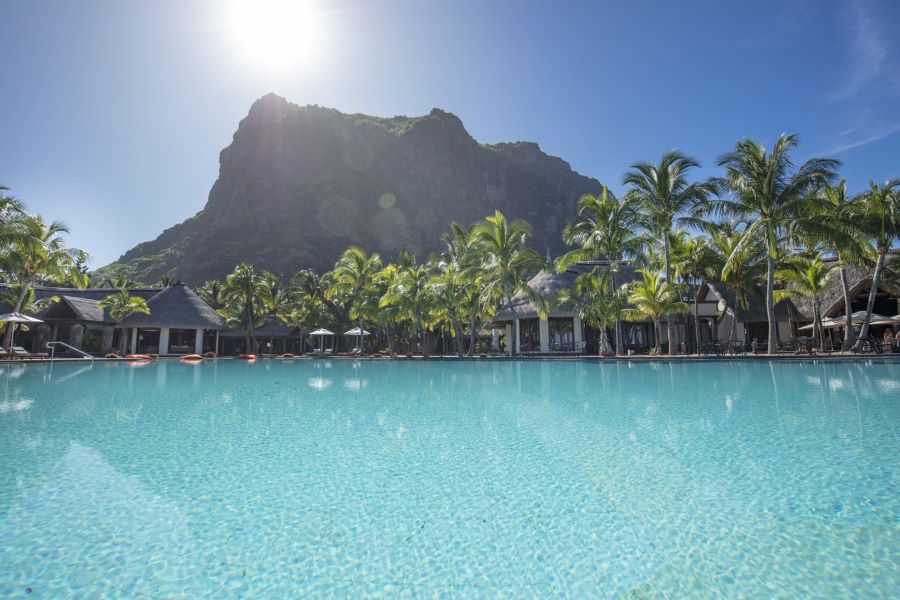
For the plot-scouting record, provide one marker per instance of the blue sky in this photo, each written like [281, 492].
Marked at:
[113, 113]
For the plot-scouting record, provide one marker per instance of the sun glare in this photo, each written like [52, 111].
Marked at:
[277, 34]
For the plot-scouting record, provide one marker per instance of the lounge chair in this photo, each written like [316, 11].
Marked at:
[21, 353]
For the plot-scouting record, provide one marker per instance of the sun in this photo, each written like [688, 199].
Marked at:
[277, 34]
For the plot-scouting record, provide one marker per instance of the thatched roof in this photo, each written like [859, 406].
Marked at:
[273, 328]
[73, 308]
[755, 311]
[549, 284]
[43, 291]
[176, 306]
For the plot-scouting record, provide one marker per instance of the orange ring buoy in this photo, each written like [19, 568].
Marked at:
[287, 355]
[247, 357]
[145, 357]
[191, 358]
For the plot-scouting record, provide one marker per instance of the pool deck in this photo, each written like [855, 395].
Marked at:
[835, 356]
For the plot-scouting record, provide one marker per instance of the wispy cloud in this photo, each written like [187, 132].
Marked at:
[854, 138]
[868, 51]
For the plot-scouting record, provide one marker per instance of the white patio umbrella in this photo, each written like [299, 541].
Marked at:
[359, 333]
[320, 333]
[826, 324]
[885, 320]
[14, 319]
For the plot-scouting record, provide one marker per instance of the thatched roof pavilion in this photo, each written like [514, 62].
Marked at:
[176, 307]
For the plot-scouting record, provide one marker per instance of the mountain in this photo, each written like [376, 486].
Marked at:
[298, 185]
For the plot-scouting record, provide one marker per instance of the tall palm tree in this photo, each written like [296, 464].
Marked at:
[593, 302]
[353, 276]
[31, 305]
[772, 195]
[165, 281]
[121, 304]
[505, 261]
[212, 292]
[850, 248]
[245, 292]
[653, 298]
[877, 211]
[693, 260]
[412, 292]
[449, 288]
[807, 278]
[666, 198]
[37, 252]
[606, 228]
[748, 266]
[121, 281]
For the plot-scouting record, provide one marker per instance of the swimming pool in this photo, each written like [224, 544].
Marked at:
[471, 479]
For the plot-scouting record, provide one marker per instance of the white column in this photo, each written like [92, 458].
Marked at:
[518, 339]
[216, 349]
[544, 330]
[163, 341]
[134, 340]
[577, 327]
[509, 340]
[495, 338]
[198, 342]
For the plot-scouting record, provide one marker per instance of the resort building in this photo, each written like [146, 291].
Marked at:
[563, 332]
[717, 310]
[179, 323]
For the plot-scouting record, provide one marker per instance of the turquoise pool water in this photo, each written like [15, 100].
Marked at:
[441, 479]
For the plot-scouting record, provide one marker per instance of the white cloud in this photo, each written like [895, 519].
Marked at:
[868, 50]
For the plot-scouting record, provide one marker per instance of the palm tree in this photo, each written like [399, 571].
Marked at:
[245, 292]
[212, 292]
[120, 282]
[353, 276]
[748, 266]
[694, 261]
[502, 250]
[31, 305]
[592, 301]
[772, 195]
[653, 298]
[449, 288]
[121, 304]
[606, 228]
[411, 292]
[37, 252]
[849, 248]
[807, 278]
[459, 252]
[877, 211]
[165, 281]
[663, 192]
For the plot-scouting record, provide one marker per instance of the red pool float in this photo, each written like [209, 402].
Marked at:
[249, 357]
[144, 357]
[191, 358]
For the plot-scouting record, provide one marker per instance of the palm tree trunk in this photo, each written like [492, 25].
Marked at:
[848, 321]
[458, 332]
[11, 327]
[732, 333]
[251, 332]
[620, 343]
[696, 320]
[514, 329]
[422, 336]
[670, 328]
[817, 322]
[657, 330]
[472, 335]
[876, 280]
[770, 301]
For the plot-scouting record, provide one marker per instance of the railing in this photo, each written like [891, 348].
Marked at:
[52, 347]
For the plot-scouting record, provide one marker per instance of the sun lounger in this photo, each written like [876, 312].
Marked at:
[21, 353]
